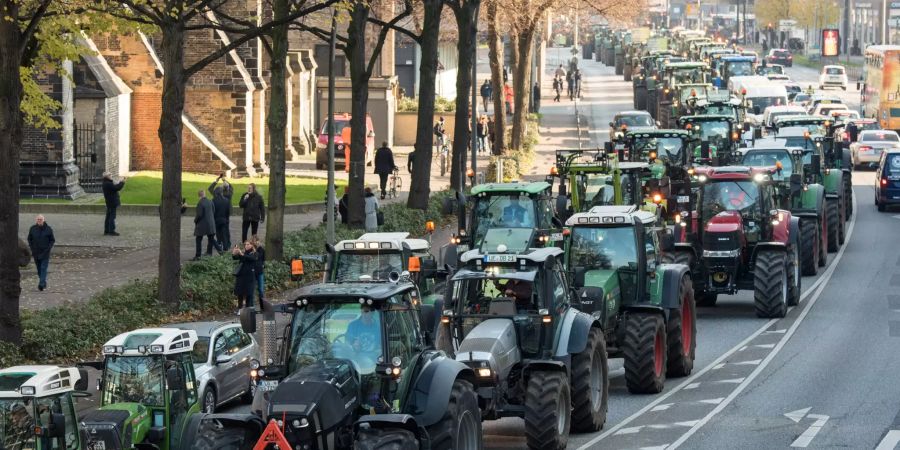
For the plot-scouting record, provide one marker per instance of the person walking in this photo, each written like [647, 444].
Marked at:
[570, 85]
[254, 211]
[577, 79]
[508, 94]
[536, 97]
[111, 198]
[492, 136]
[557, 86]
[222, 203]
[560, 72]
[342, 207]
[260, 269]
[411, 161]
[482, 132]
[384, 165]
[439, 133]
[486, 91]
[244, 274]
[40, 241]
[205, 225]
[371, 211]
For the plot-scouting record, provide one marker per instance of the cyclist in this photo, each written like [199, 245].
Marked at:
[384, 165]
[440, 133]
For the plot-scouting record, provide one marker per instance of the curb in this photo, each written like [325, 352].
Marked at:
[144, 210]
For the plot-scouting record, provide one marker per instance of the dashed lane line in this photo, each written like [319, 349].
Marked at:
[890, 441]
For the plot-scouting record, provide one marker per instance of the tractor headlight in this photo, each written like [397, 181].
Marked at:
[484, 372]
[27, 390]
[254, 364]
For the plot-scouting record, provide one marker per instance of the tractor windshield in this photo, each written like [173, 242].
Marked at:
[770, 159]
[665, 147]
[134, 379]
[596, 189]
[502, 211]
[741, 196]
[16, 424]
[738, 68]
[354, 265]
[687, 76]
[602, 248]
[349, 331]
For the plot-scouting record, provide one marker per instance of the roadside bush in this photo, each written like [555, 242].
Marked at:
[441, 105]
[517, 162]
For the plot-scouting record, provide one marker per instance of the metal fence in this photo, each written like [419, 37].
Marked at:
[87, 158]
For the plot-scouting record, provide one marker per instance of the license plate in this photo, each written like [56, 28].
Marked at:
[267, 385]
[556, 236]
[96, 445]
[500, 258]
[684, 199]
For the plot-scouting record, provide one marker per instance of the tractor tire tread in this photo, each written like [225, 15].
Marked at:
[638, 350]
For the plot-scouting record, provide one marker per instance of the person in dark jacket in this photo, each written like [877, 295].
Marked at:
[111, 197]
[40, 241]
[536, 97]
[244, 274]
[205, 225]
[411, 161]
[342, 207]
[486, 91]
[384, 165]
[260, 268]
[482, 132]
[254, 211]
[222, 202]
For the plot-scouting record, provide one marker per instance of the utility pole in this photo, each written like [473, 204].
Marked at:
[474, 133]
[329, 225]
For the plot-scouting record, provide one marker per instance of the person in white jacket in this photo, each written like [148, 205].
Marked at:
[371, 211]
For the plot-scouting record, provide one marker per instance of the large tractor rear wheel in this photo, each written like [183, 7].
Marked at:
[640, 98]
[834, 221]
[386, 439]
[809, 247]
[645, 353]
[627, 72]
[548, 411]
[848, 195]
[664, 114]
[682, 332]
[590, 385]
[770, 283]
[823, 240]
[208, 433]
[842, 229]
[460, 428]
[794, 277]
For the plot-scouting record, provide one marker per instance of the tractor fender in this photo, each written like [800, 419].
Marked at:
[429, 398]
[573, 334]
[545, 365]
[404, 421]
[251, 422]
[834, 183]
[814, 196]
[687, 246]
[672, 275]
[646, 308]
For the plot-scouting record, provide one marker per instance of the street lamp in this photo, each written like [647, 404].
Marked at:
[329, 222]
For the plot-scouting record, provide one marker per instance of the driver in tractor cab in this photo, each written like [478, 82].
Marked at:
[734, 198]
[364, 331]
[515, 215]
[18, 430]
[520, 291]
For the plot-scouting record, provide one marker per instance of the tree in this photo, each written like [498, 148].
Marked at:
[495, 58]
[769, 12]
[276, 121]
[466, 14]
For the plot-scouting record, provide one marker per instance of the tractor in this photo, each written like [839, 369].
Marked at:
[674, 76]
[510, 319]
[720, 133]
[646, 309]
[37, 407]
[646, 84]
[740, 240]
[721, 103]
[148, 392]
[356, 369]
[797, 189]
[732, 66]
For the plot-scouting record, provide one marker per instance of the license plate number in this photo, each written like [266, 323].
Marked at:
[684, 199]
[556, 237]
[267, 385]
[500, 258]
[96, 445]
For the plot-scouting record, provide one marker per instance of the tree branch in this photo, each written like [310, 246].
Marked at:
[29, 31]
[396, 28]
[382, 36]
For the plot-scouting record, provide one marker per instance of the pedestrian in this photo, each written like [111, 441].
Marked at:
[439, 133]
[482, 133]
[765, 46]
[577, 79]
[560, 72]
[371, 211]
[254, 211]
[384, 165]
[508, 94]
[244, 274]
[342, 207]
[492, 136]
[222, 203]
[260, 269]
[570, 85]
[536, 97]
[486, 93]
[205, 225]
[411, 161]
[111, 197]
[40, 241]
[557, 86]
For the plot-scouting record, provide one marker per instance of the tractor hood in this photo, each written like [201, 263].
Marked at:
[725, 222]
[324, 393]
[493, 342]
[116, 426]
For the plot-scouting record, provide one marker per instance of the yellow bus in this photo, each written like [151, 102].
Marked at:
[880, 94]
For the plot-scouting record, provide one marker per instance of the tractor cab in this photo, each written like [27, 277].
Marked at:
[732, 66]
[719, 133]
[37, 407]
[148, 391]
[721, 103]
[595, 178]
[514, 205]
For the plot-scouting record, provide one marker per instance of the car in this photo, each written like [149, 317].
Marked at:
[223, 368]
[772, 113]
[843, 115]
[781, 56]
[632, 121]
[822, 98]
[766, 69]
[778, 77]
[342, 121]
[800, 99]
[751, 54]
[825, 109]
[833, 76]
[887, 180]
[792, 89]
[849, 132]
[871, 144]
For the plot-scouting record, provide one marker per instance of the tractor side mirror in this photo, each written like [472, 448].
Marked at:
[428, 267]
[223, 359]
[746, 127]
[57, 426]
[757, 110]
[448, 206]
[248, 320]
[175, 379]
[815, 164]
[796, 184]
[666, 241]
[578, 277]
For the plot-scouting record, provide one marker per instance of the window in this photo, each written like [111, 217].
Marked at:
[834, 71]
[649, 245]
[880, 137]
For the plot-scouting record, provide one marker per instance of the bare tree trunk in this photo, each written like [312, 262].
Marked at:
[10, 148]
[170, 127]
[420, 186]
[513, 54]
[277, 123]
[359, 80]
[495, 55]
[521, 87]
[465, 23]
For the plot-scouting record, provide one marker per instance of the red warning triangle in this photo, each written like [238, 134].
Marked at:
[272, 435]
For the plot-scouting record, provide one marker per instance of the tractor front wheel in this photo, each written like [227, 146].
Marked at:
[770, 283]
[548, 411]
[386, 439]
[645, 353]
[794, 277]
[590, 385]
[682, 332]
[809, 247]
[834, 222]
[460, 428]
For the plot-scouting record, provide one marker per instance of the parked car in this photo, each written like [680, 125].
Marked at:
[871, 144]
[222, 358]
[887, 180]
[341, 121]
[781, 56]
[833, 76]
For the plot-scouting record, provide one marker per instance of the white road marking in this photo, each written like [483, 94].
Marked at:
[754, 362]
[890, 441]
[797, 415]
[781, 331]
[732, 380]
[658, 447]
[692, 386]
[713, 401]
[806, 438]
[719, 366]
[896, 216]
[765, 345]
[662, 407]
[819, 287]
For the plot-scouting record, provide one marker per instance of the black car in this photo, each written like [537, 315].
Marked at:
[780, 56]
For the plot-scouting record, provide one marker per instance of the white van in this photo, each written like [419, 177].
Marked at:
[761, 96]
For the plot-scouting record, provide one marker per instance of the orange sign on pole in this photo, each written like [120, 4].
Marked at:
[831, 42]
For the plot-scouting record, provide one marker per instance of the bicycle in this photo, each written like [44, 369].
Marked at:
[396, 183]
[445, 157]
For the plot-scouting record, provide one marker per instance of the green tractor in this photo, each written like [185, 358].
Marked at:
[674, 76]
[647, 81]
[148, 391]
[721, 103]
[591, 178]
[670, 165]
[645, 308]
[798, 190]
[721, 134]
[37, 407]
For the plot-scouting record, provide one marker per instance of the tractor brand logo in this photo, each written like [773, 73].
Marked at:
[724, 239]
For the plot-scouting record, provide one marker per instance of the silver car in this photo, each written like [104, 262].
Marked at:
[871, 143]
[223, 368]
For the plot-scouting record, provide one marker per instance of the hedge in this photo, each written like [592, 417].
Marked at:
[76, 332]
[517, 162]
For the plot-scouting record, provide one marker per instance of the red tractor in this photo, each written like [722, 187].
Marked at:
[738, 239]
